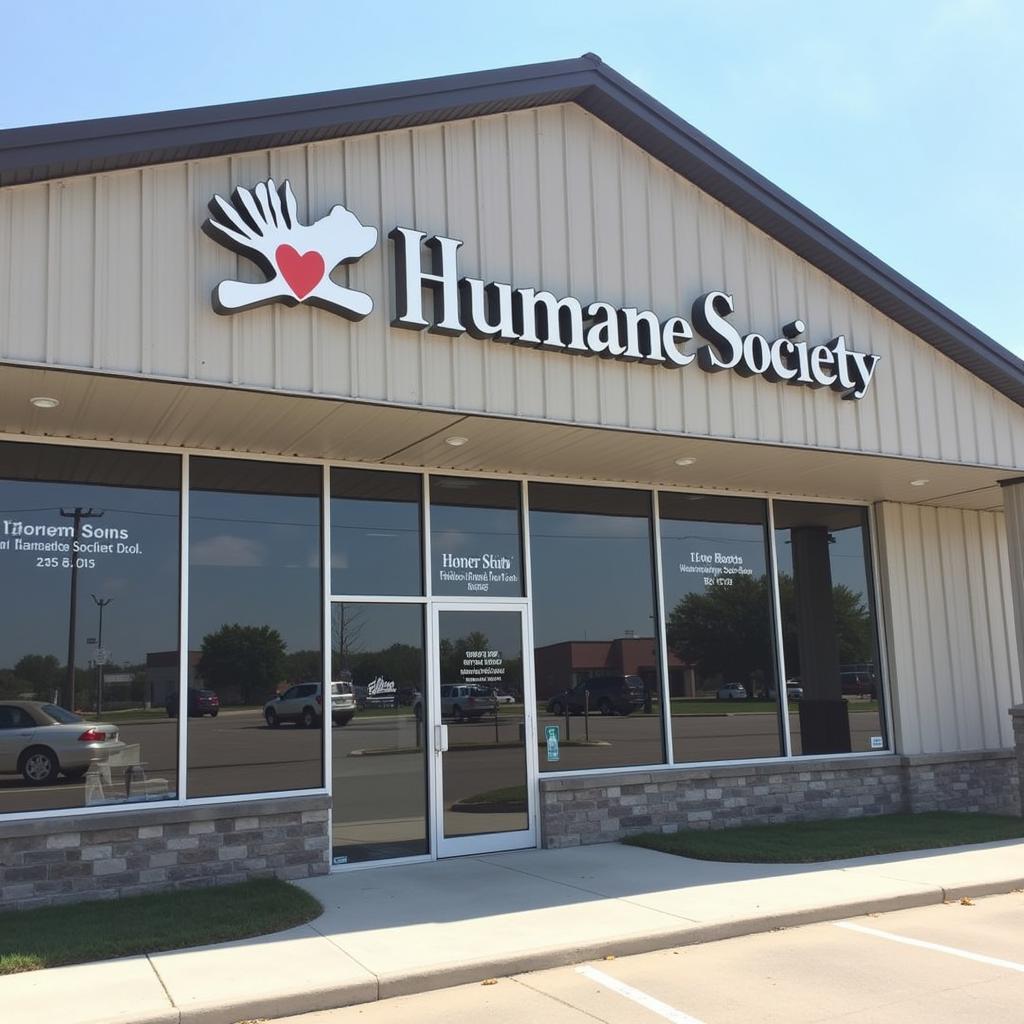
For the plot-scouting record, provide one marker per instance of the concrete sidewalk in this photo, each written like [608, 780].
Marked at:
[396, 930]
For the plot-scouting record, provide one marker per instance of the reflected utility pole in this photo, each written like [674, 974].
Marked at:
[78, 514]
[101, 655]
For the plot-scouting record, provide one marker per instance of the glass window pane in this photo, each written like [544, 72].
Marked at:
[89, 581]
[596, 655]
[480, 672]
[474, 537]
[719, 627]
[379, 754]
[828, 621]
[254, 627]
[376, 539]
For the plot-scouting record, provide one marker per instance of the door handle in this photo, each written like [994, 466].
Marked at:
[440, 738]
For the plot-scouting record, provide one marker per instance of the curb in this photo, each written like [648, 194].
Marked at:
[387, 986]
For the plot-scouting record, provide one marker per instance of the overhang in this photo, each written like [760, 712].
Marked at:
[119, 410]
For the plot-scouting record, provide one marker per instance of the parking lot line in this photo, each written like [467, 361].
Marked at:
[980, 958]
[638, 997]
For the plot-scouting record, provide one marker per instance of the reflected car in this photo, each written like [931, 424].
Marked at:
[731, 691]
[794, 691]
[343, 701]
[504, 698]
[466, 702]
[301, 704]
[607, 695]
[200, 702]
[858, 684]
[41, 741]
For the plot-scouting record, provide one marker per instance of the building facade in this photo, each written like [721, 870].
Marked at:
[482, 463]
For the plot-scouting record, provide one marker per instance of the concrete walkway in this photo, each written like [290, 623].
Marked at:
[390, 931]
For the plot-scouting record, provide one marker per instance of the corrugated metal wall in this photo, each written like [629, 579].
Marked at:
[111, 272]
[951, 641]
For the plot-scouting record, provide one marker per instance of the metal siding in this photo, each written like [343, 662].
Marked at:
[111, 272]
[952, 656]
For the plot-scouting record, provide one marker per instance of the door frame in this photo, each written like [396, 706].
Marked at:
[492, 842]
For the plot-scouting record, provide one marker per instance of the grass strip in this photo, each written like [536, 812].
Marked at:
[808, 842]
[103, 929]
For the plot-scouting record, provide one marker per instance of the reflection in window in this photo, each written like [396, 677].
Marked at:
[596, 653]
[378, 751]
[483, 773]
[719, 627]
[88, 597]
[828, 624]
[255, 624]
[376, 541]
[474, 537]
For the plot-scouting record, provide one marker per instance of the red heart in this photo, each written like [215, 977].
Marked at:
[303, 273]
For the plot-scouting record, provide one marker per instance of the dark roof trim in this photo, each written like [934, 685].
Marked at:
[85, 147]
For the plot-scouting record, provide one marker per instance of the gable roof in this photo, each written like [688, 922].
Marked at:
[43, 152]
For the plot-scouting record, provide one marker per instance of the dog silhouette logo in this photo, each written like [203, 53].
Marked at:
[262, 224]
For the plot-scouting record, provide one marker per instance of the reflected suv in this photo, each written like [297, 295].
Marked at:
[300, 704]
[466, 702]
[608, 695]
[200, 702]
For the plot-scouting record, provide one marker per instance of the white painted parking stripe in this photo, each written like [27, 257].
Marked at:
[1010, 965]
[638, 997]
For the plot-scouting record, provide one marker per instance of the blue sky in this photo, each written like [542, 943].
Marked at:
[901, 122]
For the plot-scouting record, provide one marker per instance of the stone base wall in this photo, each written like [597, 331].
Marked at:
[101, 856]
[601, 809]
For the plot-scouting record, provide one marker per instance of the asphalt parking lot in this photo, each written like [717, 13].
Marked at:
[955, 963]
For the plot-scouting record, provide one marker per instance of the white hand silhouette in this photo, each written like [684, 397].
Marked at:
[263, 225]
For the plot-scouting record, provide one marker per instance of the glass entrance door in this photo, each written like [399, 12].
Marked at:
[483, 734]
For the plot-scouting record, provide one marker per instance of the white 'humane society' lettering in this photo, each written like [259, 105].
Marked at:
[525, 316]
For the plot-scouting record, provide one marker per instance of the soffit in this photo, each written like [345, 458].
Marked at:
[132, 411]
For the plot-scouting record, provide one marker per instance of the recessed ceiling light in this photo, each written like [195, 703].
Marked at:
[42, 402]
[456, 441]
[685, 460]
[919, 483]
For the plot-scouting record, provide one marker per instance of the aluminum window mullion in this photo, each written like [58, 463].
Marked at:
[781, 691]
[184, 654]
[661, 631]
[327, 752]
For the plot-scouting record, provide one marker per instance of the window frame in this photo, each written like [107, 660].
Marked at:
[524, 481]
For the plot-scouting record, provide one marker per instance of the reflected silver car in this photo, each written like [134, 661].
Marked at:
[731, 691]
[40, 741]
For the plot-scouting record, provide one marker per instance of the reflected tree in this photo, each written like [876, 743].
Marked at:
[247, 661]
[726, 632]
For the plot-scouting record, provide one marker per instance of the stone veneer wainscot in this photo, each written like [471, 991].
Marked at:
[66, 859]
[604, 808]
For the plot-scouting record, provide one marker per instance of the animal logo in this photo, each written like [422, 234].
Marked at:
[262, 224]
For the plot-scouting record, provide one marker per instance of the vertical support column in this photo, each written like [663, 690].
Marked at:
[1017, 714]
[824, 725]
[1013, 505]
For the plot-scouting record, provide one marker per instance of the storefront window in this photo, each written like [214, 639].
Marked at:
[89, 571]
[828, 624]
[719, 627]
[379, 751]
[255, 624]
[596, 652]
[474, 537]
[376, 538]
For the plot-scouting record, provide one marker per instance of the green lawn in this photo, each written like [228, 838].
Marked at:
[807, 842]
[101, 930]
